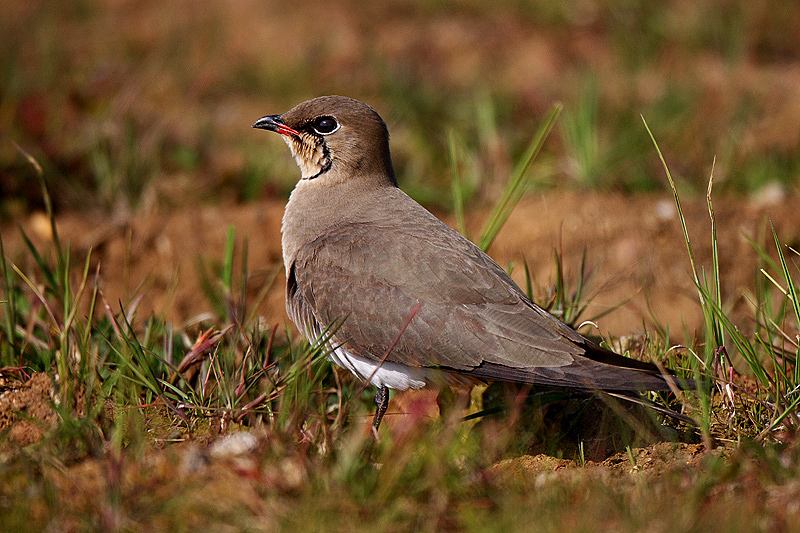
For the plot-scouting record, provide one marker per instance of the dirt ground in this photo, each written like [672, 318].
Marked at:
[25, 409]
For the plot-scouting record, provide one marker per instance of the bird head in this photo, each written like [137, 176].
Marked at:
[334, 138]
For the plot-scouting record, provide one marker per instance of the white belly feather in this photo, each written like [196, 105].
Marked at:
[396, 375]
[392, 375]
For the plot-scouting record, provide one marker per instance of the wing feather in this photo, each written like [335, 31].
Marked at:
[470, 310]
[472, 318]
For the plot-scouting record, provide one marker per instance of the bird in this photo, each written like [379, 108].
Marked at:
[401, 299]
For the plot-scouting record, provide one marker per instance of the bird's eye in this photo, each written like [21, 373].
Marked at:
[325, 125]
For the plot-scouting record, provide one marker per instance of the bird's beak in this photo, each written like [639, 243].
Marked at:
[275, 123]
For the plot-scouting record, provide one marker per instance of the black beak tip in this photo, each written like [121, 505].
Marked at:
[270, 122]
[261, 124]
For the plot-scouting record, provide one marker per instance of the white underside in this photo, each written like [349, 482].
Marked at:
[398, 376]
[392, 375]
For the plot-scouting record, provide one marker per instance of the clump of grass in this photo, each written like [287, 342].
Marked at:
[586, 158]
[237, 371]
[770, 353]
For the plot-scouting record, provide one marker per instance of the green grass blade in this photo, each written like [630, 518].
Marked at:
[227, 266]
[714, 326]
[78, 294]
[457, 185]
[9, 304]
[677, 203]
[40, 296]
[51, 279]
[791, 293]
[528, 279]
[518, 181]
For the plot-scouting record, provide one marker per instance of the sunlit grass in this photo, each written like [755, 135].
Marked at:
[770, 353]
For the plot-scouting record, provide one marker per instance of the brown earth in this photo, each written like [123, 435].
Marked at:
[201, 479]
[26, 411]
[653, 460]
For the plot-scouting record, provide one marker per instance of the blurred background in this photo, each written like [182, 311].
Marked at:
[139, 113]
[132, 105]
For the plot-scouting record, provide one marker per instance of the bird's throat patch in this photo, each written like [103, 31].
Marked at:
[311, 154]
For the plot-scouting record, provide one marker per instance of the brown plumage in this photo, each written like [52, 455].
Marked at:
[363, 256]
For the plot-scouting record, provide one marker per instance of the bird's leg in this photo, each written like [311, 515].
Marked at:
[381, 403]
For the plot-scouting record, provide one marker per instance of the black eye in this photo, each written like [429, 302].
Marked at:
[325, 125]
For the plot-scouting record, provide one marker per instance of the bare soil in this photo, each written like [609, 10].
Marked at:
[26, 411]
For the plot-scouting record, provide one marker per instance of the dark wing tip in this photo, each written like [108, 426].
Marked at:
[583, 374]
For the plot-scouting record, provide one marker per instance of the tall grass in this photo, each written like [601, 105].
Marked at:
[236, 371]
[770, 353]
